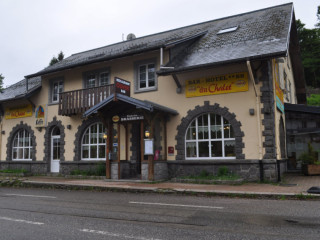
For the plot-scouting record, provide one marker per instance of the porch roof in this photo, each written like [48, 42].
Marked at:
[124, 103]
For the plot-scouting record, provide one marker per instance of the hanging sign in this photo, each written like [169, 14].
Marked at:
[228, 83]
[40, 116]
[18, 112]
[131, 117]
[115, 118]
[122, 86]
[279, 92]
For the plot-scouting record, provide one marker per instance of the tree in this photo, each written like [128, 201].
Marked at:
[309, 40]
[1, 82]
[55, 60]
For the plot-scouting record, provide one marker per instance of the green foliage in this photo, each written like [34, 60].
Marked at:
[55, 60]
[314, 100]
[223, 171]
[13, 171]
[223, 174]
[309, 40]
[1, 82]
[98, 170]
[309, 157]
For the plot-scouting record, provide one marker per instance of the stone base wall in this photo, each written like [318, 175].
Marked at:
[32, 167]
[249, 170]
[125, 172]
[160, 170]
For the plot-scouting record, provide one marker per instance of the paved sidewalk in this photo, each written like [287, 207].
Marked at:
[292, 185]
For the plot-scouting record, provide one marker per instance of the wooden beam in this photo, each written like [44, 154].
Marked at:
[165, 138]
[176, 80]
[108, 144]
[119, 164]
[126, 143]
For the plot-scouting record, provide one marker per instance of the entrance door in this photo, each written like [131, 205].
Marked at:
[55, 150]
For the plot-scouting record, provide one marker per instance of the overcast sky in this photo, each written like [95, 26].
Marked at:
[33, 31]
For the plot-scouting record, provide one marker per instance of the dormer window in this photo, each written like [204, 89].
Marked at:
[227, 30]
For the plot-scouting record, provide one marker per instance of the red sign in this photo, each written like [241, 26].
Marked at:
[170, 150]
[156, 155]
[122, 86]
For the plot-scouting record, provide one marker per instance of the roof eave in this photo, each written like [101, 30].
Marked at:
[23, 96]
[214, 64]
[41, 73]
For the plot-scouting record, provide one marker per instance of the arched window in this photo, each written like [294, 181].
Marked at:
[210, 136]
[93, 143]
[22, 146]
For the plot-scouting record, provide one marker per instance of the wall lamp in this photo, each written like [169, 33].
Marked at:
[147, 134]
[69, 126]
[105, 136]
[3, 132]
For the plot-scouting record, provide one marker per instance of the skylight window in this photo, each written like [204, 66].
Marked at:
[226, 30]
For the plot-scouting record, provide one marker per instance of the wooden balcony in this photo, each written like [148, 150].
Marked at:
[78, 101]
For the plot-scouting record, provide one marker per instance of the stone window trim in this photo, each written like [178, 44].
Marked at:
[136, 75]
[14, 131]
[50, 95]
[97, 144]
[79, 134]
[207, 108]
[97, 73]
[47, 141]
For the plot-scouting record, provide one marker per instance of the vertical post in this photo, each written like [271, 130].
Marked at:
[109, 142]
[119, 165]
[165, 139]
[141, 146]
[126, 143]
[150, 157]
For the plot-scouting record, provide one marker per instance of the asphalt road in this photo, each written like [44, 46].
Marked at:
[59, 214]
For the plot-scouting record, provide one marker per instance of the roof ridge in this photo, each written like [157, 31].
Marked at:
[192, 25]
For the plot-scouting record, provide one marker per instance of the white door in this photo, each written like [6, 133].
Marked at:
[55, 150]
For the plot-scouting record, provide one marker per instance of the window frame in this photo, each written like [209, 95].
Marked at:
[59, 80]
[97, 73]
[137, 66]
[89, 144]
[209, 139]
[23, 147]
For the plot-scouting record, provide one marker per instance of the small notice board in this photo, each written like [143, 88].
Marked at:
[148, 147]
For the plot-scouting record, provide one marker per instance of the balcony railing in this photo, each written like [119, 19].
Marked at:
[78, 101]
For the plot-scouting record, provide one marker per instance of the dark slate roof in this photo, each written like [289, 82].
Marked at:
[260, 33]
[19, 90]
[147, 105]
[301, 108]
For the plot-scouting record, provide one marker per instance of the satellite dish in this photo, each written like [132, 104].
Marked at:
[131, 36]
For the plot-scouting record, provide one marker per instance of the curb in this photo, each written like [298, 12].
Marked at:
[185, 192]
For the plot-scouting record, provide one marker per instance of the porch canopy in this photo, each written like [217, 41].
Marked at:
[118, 105]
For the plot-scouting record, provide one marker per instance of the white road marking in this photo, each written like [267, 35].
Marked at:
[176, 205]
[21, 220]
[35, 196]
[116, 234]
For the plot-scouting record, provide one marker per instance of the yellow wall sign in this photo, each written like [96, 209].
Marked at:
[18, 112]
[40, 116]
[229, 83]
